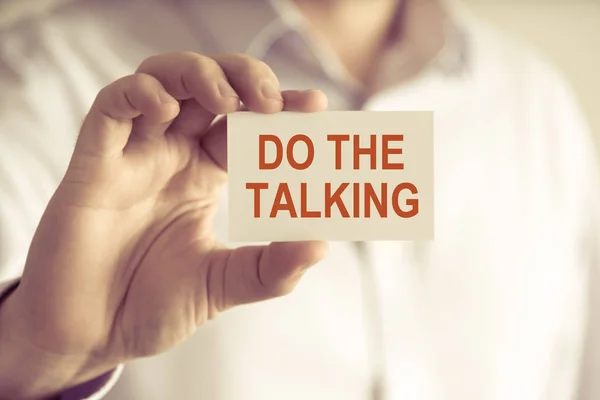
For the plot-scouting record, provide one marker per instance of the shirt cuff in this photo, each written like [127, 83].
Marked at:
[7, 287]
[95, 389]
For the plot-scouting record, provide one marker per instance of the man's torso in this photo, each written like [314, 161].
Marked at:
[493, 308]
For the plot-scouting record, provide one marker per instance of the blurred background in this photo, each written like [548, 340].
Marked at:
[565, 31]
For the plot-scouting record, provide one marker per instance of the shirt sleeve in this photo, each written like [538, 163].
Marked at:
[580, 181]
[95, 389]
[589, 382]
[587, 184]
[39, 119]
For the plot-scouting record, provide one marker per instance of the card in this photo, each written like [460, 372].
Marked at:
[332, 175]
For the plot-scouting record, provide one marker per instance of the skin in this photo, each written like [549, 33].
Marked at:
[125, 248]
[357, 31]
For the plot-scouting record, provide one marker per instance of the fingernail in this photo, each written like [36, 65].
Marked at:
[269, 91]
[226, 90]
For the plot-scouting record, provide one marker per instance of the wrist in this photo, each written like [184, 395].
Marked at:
[31, 373]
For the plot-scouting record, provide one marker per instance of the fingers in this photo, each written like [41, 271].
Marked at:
[219, 83]
[252, 274]
[254, 81]
[189, 75]
[304, 101]
[193, 119]
[107, 127]
[212, 86]
[206, 86]
[214, 141]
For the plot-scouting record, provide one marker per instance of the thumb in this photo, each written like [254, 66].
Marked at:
[257, 273]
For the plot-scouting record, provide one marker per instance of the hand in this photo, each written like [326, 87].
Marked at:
[124, 262]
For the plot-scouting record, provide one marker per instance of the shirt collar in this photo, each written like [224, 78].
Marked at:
[253, 30]
[240, 26]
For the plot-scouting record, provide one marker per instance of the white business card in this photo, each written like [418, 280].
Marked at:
[333, 175]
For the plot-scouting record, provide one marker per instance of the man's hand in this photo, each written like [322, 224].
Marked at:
[124, 262]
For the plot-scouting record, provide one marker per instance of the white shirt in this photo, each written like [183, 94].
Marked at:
[495, 308]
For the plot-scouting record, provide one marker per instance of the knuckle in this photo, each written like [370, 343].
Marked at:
[108, 93]
[188, 54]
[260, 69]
[147, 63]
[129, 82]
[138, 85]
[138, 80]
[242, 59]
[257, 72]
[104, 93]
[119, 93]
[145, 81]
[202, 67]
[251, 64]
